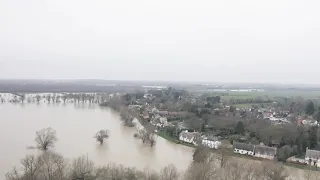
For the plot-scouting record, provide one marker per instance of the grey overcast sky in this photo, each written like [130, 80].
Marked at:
[188, 40]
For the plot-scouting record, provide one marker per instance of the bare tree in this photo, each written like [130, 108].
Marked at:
[274, 171]
[150, 175]
[78, 98]
[147, 137]
[58, 98]
[31, 165]
[91, 98]
[13, 175]
[234, 170]
[23, 98]
[169, 172]
[130, 173]
[101, 135]
[46, 138]
[111, 171]
[53, 166]
[201, 171]
[311, 175]
[48, 98]
[221, 155]
[38, 97]
[64, 98]
[202, 154]
[30, 169]
[251, 171]
[53, 97]
[82, 169]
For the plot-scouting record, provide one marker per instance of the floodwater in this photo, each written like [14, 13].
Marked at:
[76, 125]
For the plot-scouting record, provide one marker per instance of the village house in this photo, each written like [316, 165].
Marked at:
[163, 121]
[267, 115]
[190, 137]
[309, 122]
[276, 120]
[148, 96]
[155, 120]
[265, 152]
[163, 113]
[211, 142]
[146, 116]
[275, 143]
[180, 113]
[159, 121]
[148, 108]
[313, 157]
[242, 148]
[182, 126]
[134, 106]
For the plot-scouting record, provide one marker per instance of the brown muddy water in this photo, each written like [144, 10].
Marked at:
[76, 126]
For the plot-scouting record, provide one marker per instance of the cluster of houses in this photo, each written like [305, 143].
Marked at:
[311, 158]
[275, 117]
[212, 142]
[159, 121]
[259, 151]
[307, 122]
[196, 139]
[159, 118]
[283, 116]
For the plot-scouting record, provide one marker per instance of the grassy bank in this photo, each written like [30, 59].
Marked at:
[173, 139]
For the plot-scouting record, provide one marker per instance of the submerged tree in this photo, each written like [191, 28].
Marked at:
[147, 137]
[46, 138]
[53, 98]
[38, 97]
[48, 98]
[64, 98]
[101, 135]
[23, 98]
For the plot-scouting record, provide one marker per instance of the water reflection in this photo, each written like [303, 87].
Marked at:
[102, 150]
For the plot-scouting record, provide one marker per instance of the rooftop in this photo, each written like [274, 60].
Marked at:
[271, 151]
[247, 147]
[314, 154]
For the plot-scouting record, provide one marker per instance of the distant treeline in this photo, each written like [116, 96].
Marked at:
[63, 87]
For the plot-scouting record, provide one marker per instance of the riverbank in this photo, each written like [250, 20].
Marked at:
[289, 165]
[164, 135]
[172, 139]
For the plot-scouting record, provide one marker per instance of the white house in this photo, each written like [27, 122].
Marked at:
[190, 137]
[265, 152]
[212, 143]
[163, 121]
[242, 148]
[313, 157]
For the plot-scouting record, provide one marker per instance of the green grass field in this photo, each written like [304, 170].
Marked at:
[268, 94]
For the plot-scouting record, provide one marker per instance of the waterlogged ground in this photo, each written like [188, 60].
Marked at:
[76, 125]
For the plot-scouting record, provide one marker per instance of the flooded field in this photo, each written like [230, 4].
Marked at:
[76, 125]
